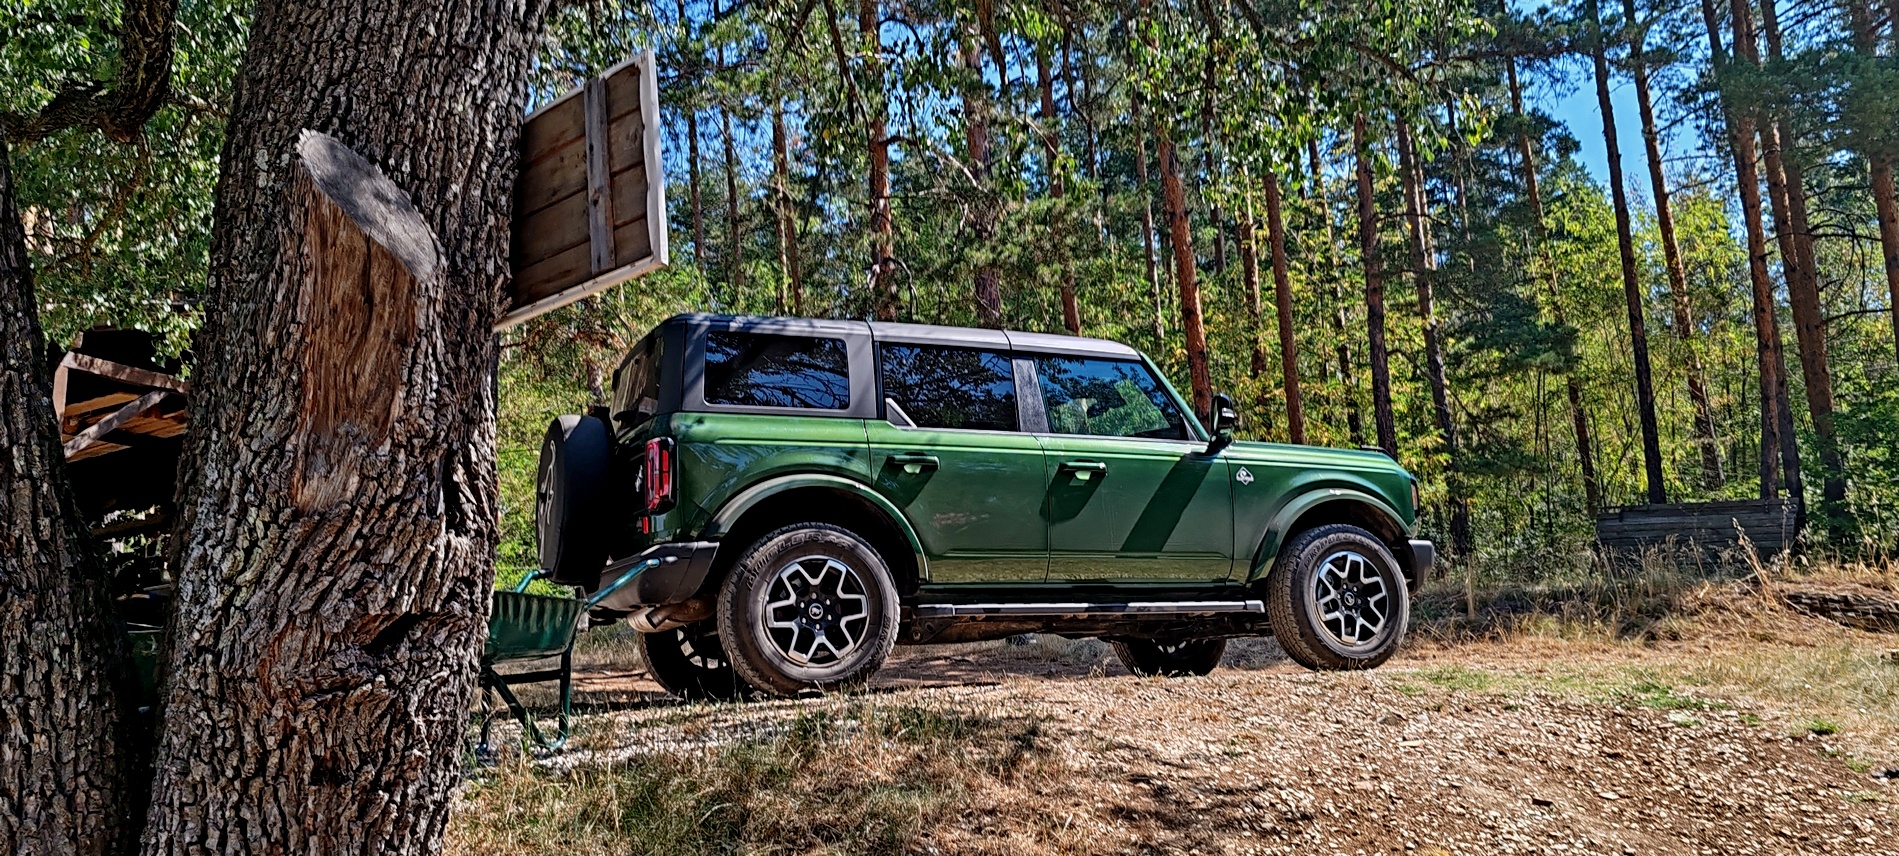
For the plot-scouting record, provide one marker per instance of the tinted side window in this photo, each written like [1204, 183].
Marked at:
[1107, 398]
[761, 370]
[951, 387]
[636, 386]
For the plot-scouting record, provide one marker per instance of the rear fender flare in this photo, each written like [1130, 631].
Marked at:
[735, 508]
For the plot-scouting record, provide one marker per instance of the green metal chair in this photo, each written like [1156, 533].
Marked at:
[524, 627]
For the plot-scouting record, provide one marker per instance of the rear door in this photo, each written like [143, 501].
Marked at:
[951, 454]
[1132, 496]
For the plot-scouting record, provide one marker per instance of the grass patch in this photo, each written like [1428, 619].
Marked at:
[1661, 696]
[1459, 678]
[1820, 727]
[855, 778]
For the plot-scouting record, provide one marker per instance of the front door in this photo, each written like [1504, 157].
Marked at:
[1132, 496]
[949, 453]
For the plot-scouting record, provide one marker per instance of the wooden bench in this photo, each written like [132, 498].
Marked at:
[1709, 527]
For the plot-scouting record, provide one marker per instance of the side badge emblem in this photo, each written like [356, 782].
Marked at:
[1244, 476]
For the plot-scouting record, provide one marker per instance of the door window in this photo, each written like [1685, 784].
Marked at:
[636, 385]
[960, 388]
[763, 370]
[1107, 398]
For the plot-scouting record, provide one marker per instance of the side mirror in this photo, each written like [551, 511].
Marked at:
[1222, 420]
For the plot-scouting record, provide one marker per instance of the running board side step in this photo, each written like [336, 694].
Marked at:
[1087, 610]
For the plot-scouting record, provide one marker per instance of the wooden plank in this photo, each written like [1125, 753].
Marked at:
[93, 451]
[626, 143]
[629, 196]
[551, 231]
[553, 274]
[551, 130]
[125, 373]
[133, 526]
[547, 181]
[599, 198]
[635, 242]
[623, 90]
[106, 426]
[80, 408]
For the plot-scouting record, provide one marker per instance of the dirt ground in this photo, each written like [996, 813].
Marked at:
[1776, 740]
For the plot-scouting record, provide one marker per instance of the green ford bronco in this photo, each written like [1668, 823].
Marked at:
[815, 492]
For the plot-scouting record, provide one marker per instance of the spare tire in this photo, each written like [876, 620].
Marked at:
[568, 491]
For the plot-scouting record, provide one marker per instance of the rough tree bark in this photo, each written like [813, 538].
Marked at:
[1424, 272]
[1865, 21]
[337, 518]
[1380, 361]
[70, 762]
[1247, 237]
[1578, 416]
[1680, 303]
[66, 761]
[1786, 186]
[887, 298]
[1780, 449]
[734, 237]
[982, 212]
[1348, 388]
[1147, 226]
[1181, 236]
[1282, 305]
[692, 146]
[1631, 278]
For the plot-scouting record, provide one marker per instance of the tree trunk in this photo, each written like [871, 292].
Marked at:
[1631, 280]
[1051, 150]
[1248, 246]
[1181, 236]
[988, 280]
[1282, 303]
[883, 233]
[1803, 278]
[338, 516]
[1147, 228]
[1382, 416]
[1424, 270]
[789, 264]
[734, 241]
[1780, 449]
[1578, 417]
[1888, 205]
[1680, 302]
[692, 149]
[1209, 89]
[1348, 389]
[66, 766]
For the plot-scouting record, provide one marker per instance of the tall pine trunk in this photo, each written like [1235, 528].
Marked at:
[1424, 271]
[1631, 277]
[1780, 449]
[1147, 227]
[1680, 302]
[692, 146]
[1787, 187]
[66, 767]
[1282, 303]
[734, 226]
[1248, 246]
[1379, 359]
[791, 267]
[1879, 163]
[1180, 233]
[1341, 320]
[1578, 415]
[338, 515]
[988, 279]
[885, 295]
[1051, 151]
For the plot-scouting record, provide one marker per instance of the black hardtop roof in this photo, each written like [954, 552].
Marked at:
[891, 331]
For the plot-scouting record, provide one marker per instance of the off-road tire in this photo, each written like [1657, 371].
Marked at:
[1176, 659]
[569, 487]
[765, 571]
[1299, 621]
[690, 662]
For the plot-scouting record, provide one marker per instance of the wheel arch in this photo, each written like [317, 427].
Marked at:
[1328, 506]
[817, 498]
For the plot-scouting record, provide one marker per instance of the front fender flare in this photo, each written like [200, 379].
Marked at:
[1289, 514]
[735, 508]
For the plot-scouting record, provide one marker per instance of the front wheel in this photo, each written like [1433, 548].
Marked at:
[810, 607]
[690, 662]
[1336, 600]
[1178, 659]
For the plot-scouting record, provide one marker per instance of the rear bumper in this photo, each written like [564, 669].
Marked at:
[1418, 558]
[681, 571]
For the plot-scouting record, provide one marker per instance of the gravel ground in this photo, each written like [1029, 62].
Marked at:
[1418, 757]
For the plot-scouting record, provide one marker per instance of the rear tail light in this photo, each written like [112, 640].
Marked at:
[656, 480]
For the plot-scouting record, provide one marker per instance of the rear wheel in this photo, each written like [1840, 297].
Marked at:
[1336, 599]
[1175, 659]
[810, 607]
[690, 662]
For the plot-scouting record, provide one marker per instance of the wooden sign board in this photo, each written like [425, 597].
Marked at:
[590, 202]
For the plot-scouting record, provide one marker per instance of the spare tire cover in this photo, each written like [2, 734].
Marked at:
[568, 491]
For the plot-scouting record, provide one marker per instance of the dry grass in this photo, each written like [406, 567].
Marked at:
[854, 777]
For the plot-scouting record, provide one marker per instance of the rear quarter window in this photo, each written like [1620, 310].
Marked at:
[767, 370]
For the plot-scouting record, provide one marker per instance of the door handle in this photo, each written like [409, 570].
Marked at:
[1082, 470]
[914, 463]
